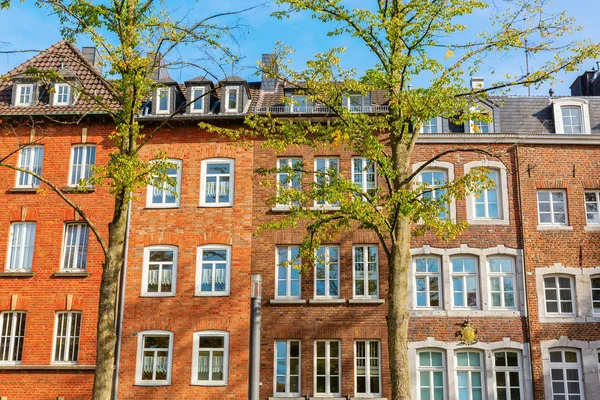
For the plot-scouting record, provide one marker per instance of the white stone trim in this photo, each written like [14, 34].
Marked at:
[583, 293]
[502, 187]
[449, 168]
[558, 103]
[589, 364]
[482, 256]
[449, 348]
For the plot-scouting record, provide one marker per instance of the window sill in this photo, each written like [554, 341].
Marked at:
[160, 207]
[287, 301]
[368, 398]
[367, 301]
[156, 295]
[16, 274]
[23, 190]
[326, 301]
[78, 189]
[554, 228]
[57, 367]
[488, 222]
[211, 294]
[284, 397]
[325, 208]
[152, 384]
[592, 228]
[69, 274]
[215, 206]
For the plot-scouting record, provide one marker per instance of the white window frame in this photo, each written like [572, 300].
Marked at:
[20, 87]
[299, 103]
[327, 180]
[563, 365]
[195, 364]
[558, 300]
[82, 231]
[551, 192]
[448, 169]
[288, 357]
[430, 370]
[502, 276]
[369, 392]
[16, 336]
[22, 247]
[158, 96]
[463, 276]
[328, 376]
[502, 193]
[582, 104]
[237, 99]
[596, 203]
[365, 265]
[289, 183]
[57, 95]
[288, 278]
[592, 291]
[140, 358]
[364, 173]
[146, 271]
[200, 102]
[469, 369]
[427, 275]
[472, 123]
[327, 263]
[213, 293]
[70, 317]
[150, 188]
[507, 370]
[438, 122]
[81, 167]
[203, 177]
[433, 187]
[28, 163]
[361, 108]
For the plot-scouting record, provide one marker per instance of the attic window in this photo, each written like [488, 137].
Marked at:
[162, 98]
[356, 103]
[479, 126]
[24, 95]
[571, 116]
[232, 99]
[198, 100]
[62, 94]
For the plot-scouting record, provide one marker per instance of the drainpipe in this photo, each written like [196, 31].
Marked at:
[254, 370]
[121, 305]
[525, 293]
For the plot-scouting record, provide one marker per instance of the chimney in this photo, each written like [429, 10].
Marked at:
[93, 56]
[477, 83]
[269, 84]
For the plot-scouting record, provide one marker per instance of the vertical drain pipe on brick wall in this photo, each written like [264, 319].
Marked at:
[121, 305]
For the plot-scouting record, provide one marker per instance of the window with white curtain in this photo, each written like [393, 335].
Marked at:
[211, 352]
[431, 374]
[30, 158]
[216, 188]
[83, 158]
[213, 270]
[155, 349]
[162, 194]
[67, 331]
[20, 251]
[12, 334]
[160, 271]
[75, 247]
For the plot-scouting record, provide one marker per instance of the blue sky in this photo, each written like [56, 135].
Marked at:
[24, 26]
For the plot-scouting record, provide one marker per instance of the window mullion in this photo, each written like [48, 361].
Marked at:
[12, 337]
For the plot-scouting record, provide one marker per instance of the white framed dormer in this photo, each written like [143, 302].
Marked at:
[24, 95]
[163, 100]
[491, 207]
[232, 99]
[357, 103]
[448, 171]
[432, 125]
[62, 94]
[571, 116]
[198, 96]
[478, 126]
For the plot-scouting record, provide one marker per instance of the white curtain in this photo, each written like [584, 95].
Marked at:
[153, 277]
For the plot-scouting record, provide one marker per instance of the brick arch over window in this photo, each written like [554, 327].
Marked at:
[502, 191]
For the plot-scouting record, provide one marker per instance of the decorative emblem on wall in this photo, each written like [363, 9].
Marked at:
[468, 334]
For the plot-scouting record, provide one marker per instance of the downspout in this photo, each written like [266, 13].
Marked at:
[525, 289]
[121, 305]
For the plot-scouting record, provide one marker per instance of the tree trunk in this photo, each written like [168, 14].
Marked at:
[398, 315]
[106, 329]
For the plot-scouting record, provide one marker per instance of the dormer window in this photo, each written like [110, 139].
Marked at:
[479, 126]
[231, 95]
[571, 116]
[433, 125]
[24, 95]
[299, 103]
[62, 94]
[356, 102]
[163, 99]
[198, 100]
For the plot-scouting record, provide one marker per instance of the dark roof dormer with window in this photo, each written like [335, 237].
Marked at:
[235, 95]
[167, 97]
[199, 95]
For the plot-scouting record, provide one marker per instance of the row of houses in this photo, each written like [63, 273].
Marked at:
[525, 274]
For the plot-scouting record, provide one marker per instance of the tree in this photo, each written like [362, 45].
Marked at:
[135, 38]
[409, 39]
